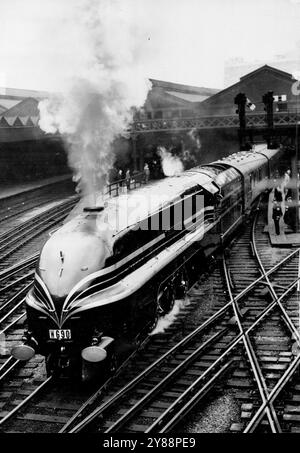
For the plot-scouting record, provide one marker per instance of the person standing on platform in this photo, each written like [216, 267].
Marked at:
[120, 176]
[286, 181]
[290, 213]
[127, 178]
[277, 214]
[276, 179]
[278, 194]
[147, 173]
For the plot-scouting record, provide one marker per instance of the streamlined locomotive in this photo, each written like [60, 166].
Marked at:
[113, 268]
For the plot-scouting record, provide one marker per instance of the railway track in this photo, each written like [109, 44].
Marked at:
[13, 240]
[157, 345]
[15, 212]
[272, 350]
[55, 400]
[158, 399]
[244, 338]
[15, 282]
[40, 403]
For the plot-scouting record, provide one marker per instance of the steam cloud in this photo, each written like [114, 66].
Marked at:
[96, 106]
[171, 165]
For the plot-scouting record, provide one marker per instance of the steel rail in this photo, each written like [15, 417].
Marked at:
[256, 419]
[8, 314]
[286, 317]
[190, 399]
[21, 279]
[128, 415]
[22, 227]
[35, 232]
[230, 348]
[33, 228]
[14, 297]
[261, 383]
[265, 312]
[149, 369]
[11, 211]
[104, 386]
[26, 400]
[259, 280]
[193, 387]
[242, 294]
[13, 323]
[89, 418]
[108, 403]
[176, 405]
[10, 359]
[14, 269]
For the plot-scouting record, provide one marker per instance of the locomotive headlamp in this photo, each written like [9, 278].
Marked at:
[96, 353]
[26, 350]
[23, 352]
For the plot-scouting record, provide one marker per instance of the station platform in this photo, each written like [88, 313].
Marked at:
[14, 189]
[286, 238]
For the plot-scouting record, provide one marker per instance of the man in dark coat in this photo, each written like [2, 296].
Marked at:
[290, 213]
[277, 213]
[278, 193]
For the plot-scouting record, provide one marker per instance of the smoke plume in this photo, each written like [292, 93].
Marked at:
[96, 106]
[171, 165]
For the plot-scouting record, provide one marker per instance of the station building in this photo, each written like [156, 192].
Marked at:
[26, 152]
[217, 109]
[199, 124]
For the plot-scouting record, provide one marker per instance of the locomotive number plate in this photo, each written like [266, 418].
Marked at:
[60, 334]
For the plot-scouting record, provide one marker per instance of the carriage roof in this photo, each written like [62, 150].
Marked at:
[129, 208]
[126, 210]
[248, 161]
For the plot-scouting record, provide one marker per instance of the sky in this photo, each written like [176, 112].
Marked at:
[45, 42]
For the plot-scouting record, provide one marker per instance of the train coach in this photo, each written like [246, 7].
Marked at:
[113, 268]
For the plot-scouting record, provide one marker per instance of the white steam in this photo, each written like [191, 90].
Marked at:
[171, 165]
[194, 135]
[96, 105]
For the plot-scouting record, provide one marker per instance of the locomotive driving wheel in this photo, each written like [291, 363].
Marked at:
[154, 321]
[181, 284]
[164, 304]
[166, 299]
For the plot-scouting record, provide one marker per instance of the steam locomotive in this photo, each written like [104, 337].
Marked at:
[113, 268]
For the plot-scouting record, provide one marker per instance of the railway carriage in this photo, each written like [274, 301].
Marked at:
[112, 269]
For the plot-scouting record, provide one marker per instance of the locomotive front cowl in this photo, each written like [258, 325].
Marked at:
[75, 251]
[67, 258]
